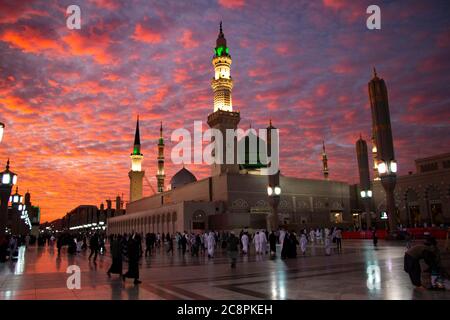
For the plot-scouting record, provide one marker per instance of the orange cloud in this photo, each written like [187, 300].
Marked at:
[232, 4]
[187, 41]
[96, 46]
[334, 4]
[145, 34]
[31, 41]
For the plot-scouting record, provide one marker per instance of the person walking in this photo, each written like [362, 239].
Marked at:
[303, 243]
[133, 260]
[374, 237]
[273, 244]
[116, 253]
[170, 243]
[233, 245]
[94, 246]
[183, 242]
[211, 244]
[148, 245]
[244, 240]
[338, 236]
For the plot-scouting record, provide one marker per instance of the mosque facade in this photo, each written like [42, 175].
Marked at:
[235, 196]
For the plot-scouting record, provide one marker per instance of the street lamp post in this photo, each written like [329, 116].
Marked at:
[17, 209]
[388, 175]
[7, 180]
[274, 193]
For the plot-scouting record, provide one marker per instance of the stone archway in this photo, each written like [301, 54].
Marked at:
[434, 205]
[413, 207]
[198, 220]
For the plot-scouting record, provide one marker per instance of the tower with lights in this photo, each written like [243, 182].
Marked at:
[386, 163]
[324, 161]
[223, 117]
[160, 174]
[136, 174]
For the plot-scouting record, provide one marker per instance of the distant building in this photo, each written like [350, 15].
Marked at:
[423, 197]
[86, 217]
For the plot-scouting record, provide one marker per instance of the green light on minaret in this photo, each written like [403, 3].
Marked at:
[220, 50]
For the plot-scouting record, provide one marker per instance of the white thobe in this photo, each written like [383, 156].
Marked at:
[205, 240]
[244, 240]
[257, 242]
[282, 235]
[263, 242]
[311, 236]
[211, 244]
[303, 242]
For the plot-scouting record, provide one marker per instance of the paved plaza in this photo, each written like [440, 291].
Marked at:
[359, 272]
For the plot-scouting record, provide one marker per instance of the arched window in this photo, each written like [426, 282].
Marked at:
[199, 220]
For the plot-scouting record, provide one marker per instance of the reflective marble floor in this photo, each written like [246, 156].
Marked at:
[359, 272]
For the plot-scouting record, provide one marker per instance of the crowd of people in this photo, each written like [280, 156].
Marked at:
[130, 248]
[10, 244]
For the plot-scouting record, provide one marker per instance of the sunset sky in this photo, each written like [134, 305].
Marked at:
[69, 98]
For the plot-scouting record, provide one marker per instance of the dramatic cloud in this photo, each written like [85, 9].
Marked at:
[70, 98]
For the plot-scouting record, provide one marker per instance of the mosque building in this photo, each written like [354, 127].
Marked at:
[235, 196]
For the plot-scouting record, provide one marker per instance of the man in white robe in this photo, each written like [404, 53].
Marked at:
[318, 235]
[257, 242]
[211, 244]
[244, 241]
[282, 235]
[205, 240]
[263, 242]
[303, 243]
[312, 236]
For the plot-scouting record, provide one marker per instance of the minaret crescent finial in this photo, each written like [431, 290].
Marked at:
[220, 31]
[375, 72]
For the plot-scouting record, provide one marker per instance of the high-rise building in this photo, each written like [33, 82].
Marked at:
[136, 174]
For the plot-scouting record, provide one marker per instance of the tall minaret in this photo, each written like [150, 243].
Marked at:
[136, 174]
[374, 157]
[160, 174]
[223, 117]
[324, 161]
[386, 163]
[364, 178]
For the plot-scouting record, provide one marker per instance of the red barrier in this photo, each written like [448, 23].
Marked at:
[417, 233]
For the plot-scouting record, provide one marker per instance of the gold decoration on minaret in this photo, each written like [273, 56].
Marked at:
[136, 174]
[222, 83]
[324, 161]
[160, 174]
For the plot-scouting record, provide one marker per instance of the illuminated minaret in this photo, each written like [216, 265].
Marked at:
[160, 174]
[136, 174]
[364, 178]
[223, 117]
[324, 161]
[386, 163]
[374, 157]
[222, 83]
